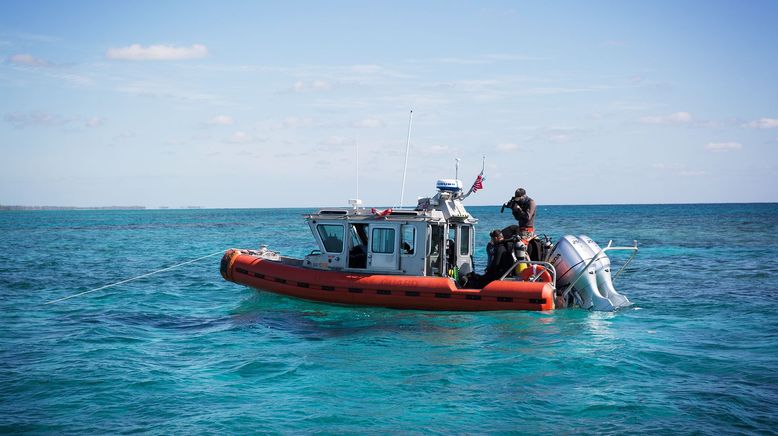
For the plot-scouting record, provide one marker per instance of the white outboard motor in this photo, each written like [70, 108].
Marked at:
[570, 256]
[603, 273]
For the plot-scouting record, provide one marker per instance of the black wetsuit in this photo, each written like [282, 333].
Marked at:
[501, 262]
[524, 212]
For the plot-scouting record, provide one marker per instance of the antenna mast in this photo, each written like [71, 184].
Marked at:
[407, 148]
[356, 202]
[356, 143]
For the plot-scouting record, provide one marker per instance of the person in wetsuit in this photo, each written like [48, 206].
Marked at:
[523, 209]
[495, 237]
[499, 260]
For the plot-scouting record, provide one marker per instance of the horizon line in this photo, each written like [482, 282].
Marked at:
[5, 207]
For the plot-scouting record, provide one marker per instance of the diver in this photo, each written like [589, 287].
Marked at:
[523, 209]
[495, 237]
[500, 260]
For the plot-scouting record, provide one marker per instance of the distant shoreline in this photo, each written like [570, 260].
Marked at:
[4, 207]
[97, 208]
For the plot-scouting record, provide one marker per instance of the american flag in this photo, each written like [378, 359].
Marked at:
[478, 184]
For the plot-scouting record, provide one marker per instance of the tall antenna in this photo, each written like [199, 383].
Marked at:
[356, 144]
[456, 175]
[407, 148]
[356, 202]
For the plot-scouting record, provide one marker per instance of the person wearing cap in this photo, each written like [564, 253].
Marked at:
[523, 208]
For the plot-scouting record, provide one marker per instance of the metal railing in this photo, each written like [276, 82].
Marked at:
[549, 267]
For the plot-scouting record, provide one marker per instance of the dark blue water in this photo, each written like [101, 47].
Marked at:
[186, 352]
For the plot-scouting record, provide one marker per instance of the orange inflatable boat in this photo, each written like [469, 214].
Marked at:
[393, 291]
[423, 258]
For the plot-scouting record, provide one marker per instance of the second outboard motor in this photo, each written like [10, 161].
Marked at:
[570, 257]
[603, 273]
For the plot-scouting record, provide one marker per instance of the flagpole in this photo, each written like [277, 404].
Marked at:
[480, 176]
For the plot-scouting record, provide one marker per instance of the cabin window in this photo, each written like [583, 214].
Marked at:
[464, 240]
[383, 240]
[435, 239]
[434, 242]
[331, 237]
[408, 243]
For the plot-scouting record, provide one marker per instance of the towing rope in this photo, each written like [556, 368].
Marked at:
[134, 278]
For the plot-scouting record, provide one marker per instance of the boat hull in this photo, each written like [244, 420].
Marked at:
[392, 291]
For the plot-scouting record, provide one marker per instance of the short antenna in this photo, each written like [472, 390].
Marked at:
[407, 148]
[456, 174]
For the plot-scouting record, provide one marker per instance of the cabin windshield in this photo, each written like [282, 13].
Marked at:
[331, 237]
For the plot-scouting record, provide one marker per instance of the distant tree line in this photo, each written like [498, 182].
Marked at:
[5, 207]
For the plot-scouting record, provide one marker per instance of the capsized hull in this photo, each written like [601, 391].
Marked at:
[392, 291]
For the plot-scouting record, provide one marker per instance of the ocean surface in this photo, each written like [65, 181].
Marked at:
[184, 352]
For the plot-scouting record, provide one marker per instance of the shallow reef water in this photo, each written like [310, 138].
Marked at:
[184, 351]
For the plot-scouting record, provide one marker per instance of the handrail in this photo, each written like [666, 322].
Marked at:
[596, 257]
[549, 267]
[634, 253]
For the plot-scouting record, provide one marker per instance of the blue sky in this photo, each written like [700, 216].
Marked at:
[260, 104]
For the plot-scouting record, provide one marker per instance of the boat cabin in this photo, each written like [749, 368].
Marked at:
[434, 239]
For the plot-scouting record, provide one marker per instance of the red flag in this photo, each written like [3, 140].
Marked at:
[478, 184]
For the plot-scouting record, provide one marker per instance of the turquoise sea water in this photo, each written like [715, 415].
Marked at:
[186, 352]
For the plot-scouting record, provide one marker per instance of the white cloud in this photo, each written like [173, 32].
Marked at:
[678, 169]
[124, 135]
[511, 57]
[94, 122]
[664, 166]
[21, 120]
[763, 123]
[311, 85]
[674, 118]
[222, 120]
[137, 52]
[240, 138]
[436, 150]
[488, 58]
[560, 137]
[595, 116]
[166, 90]
[28, 60]
[507, 146]
[337, 141]
[365, 69]
[692, 173]
[723, 146]
[369, 123]
[461, 61]
[296, 122]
